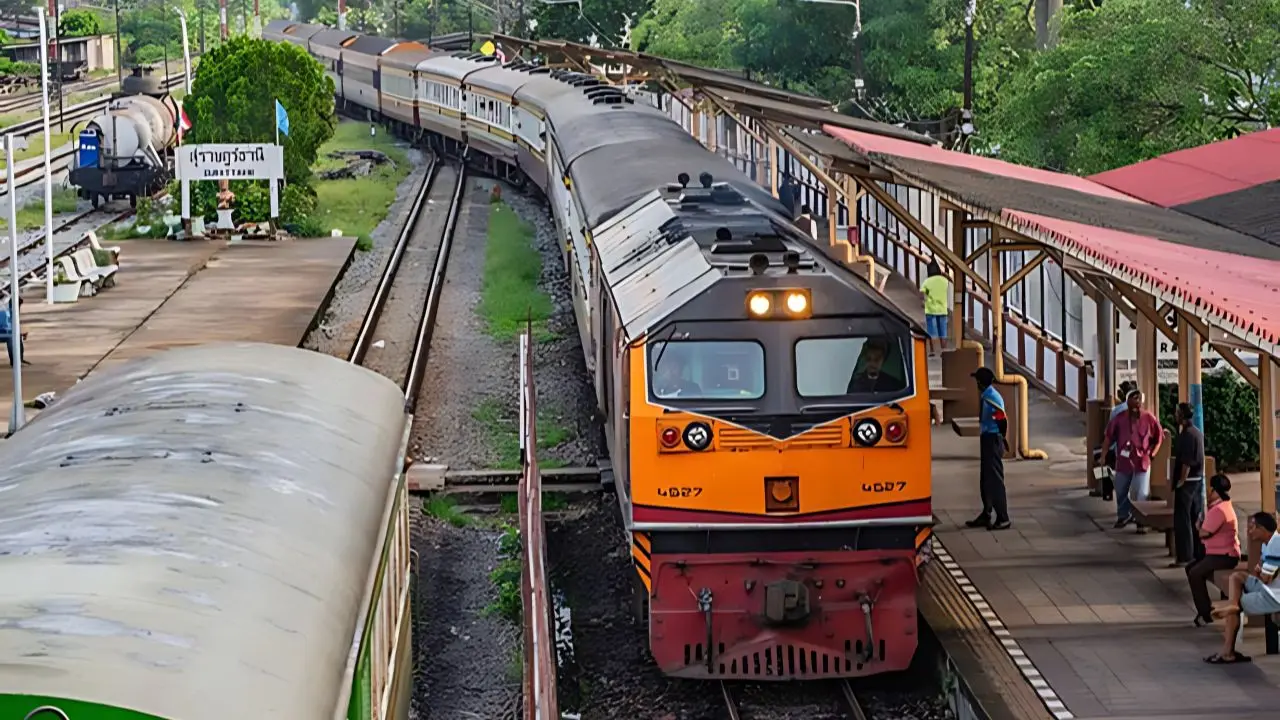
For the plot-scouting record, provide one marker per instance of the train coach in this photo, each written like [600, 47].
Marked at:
[208, 533]
[765, 409]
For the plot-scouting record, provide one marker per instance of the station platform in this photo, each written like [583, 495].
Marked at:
[173, 294]
[1062, 616]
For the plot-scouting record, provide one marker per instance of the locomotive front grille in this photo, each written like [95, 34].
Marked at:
[784, 660]
[831, 436]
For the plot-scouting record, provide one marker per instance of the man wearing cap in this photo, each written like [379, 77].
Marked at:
[994, 426]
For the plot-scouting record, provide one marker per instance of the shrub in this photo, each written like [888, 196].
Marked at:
[1230, 418]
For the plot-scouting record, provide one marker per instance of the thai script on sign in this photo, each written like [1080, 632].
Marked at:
[231, 162]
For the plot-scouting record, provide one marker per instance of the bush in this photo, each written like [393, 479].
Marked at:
[297, 204]
[79, 23]
[1230, 418]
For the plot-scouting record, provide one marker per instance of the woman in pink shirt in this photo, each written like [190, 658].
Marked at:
[1221, 538]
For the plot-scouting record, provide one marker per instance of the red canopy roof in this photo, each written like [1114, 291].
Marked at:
[869, 144]
[1203, 172]
[1244, 291]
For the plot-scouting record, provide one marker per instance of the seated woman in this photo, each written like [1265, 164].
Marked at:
[1220, 534]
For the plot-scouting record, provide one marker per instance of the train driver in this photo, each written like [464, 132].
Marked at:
[869, 371]
[669, 379]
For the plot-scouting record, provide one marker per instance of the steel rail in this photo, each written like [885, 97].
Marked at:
[364, 339]
[427, 325]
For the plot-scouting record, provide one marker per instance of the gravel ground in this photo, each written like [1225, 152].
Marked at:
[565, 392]
[351, 296]
[466, 367]
[613, 676]
[466, 662]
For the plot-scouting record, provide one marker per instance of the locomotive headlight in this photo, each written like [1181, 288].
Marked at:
[758, 304]
[797, 303]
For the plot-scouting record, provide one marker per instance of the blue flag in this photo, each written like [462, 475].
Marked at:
[282, 119]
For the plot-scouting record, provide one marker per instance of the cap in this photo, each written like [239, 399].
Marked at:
[984, 375]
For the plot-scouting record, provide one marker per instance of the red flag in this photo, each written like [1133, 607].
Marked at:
[184, 123]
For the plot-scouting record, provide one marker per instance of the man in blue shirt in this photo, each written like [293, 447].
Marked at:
[6, 332]
[994, 426]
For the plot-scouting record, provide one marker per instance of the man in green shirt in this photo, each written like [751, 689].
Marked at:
[937, 293]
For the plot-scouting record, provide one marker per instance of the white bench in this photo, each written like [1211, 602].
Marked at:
[113, 251]
[101, 276]
[87, 286]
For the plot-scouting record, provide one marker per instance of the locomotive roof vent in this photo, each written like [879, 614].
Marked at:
[727, 244]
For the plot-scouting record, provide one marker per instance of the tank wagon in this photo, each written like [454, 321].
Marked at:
[208, 533]
[765, 409]
[127, 152]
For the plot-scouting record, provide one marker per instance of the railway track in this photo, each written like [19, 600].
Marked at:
[31, 255]
[848, 702]
[30, 100]
[427, 236]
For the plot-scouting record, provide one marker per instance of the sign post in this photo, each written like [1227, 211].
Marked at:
[247, 161]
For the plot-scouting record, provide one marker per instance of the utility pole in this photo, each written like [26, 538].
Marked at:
[200, 7]
[222, 20]
[966, 113]
[119, 65]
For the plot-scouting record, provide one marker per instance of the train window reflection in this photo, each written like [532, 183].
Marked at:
[828, 367]
[707, 370]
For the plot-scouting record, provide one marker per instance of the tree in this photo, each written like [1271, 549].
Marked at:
[611, 22]
[233, 93]
[79, 23]
[1133, 79]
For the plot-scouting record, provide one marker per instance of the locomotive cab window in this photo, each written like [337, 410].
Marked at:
[836, 366]
[706, 370]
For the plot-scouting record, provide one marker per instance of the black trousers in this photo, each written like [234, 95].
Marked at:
[1188, 506]
[991, 476]
[1200, 574]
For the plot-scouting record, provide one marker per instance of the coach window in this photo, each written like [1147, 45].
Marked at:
[706, 370]
[837, 366]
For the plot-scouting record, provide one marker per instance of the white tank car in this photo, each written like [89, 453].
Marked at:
[127, 151]
[136, 128]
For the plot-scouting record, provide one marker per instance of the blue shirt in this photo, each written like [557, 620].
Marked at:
[6, 327]
[992, 401]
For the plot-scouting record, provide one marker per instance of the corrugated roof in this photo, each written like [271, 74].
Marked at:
[1242, 291]
[792, 114]
[995, 185]
[1200, 173]
[649, 277]
[1253, 211]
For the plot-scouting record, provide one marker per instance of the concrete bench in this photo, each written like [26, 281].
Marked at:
[87, 286]
[102, 276]
[113, 252]
[1157, 515]
[1270, 624]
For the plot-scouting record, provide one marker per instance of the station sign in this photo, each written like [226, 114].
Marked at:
[230, 161]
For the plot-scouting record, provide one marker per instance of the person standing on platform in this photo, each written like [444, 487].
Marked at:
[1220, 534]
[1188, 482]
[937, 294]
[1137, 435]
[994, 427]
[1109, 452]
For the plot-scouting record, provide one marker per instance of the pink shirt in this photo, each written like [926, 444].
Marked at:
[1136, 439]
[1224, 534]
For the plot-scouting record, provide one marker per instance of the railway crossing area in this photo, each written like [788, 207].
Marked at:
[174, 294]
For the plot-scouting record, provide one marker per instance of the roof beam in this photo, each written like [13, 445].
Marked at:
[1023, 271]
[724, 108]
[1227, 353]
[1147, 310]
[938, 247]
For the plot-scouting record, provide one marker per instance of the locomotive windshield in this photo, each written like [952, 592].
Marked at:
[839, 366]
[707, 370]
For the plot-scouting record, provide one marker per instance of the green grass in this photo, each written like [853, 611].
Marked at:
[31, 216]
[35, 146]
[510, 295]
[506, 577]
[445, 508]
[503, 431]
[356, 206]
[551, 502]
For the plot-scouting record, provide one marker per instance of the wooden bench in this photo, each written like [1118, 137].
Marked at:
[102, 276]
[1157, 515]
[1270, 624]
[967, 427]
